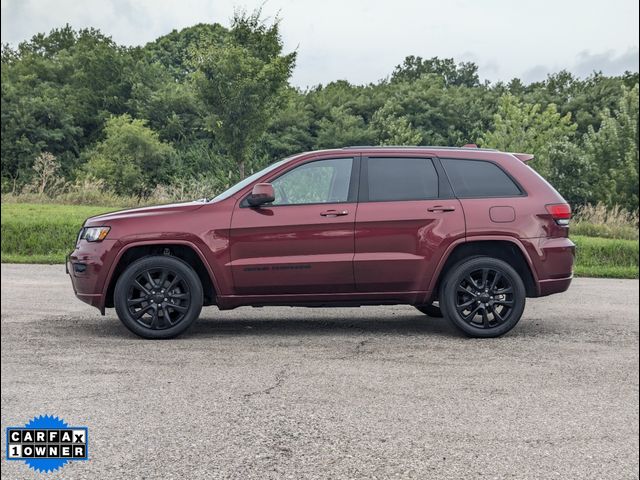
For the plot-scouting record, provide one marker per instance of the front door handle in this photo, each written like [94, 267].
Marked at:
[440, 208]
[334, 213]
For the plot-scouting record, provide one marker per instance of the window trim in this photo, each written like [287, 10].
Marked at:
[352, 195]
[523, 192]
[443, 188]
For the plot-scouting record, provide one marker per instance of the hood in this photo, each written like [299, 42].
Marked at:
[158, 210]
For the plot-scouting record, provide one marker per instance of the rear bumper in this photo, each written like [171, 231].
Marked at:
[555, 285]
[554, 265]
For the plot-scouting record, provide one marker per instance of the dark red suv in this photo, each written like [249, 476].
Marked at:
[467, 233]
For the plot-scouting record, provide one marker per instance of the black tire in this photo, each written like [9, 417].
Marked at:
[430, 310]
[483, 296]
[158, 297]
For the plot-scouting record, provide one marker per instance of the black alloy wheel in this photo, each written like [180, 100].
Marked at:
[158, 297]
[483, 296]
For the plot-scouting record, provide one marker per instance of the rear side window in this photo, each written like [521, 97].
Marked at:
[477, 178]
[397, 179]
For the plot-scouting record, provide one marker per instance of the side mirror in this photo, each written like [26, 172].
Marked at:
[262, 193]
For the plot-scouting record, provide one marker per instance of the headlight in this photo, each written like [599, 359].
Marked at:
[94, 234]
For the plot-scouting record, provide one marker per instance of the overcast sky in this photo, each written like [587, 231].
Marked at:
[362, 40]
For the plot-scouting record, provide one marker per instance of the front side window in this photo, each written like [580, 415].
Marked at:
[479, 179]
[322, 181]
[397, 179]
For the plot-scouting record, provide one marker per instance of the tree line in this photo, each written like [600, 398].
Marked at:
[210, 104]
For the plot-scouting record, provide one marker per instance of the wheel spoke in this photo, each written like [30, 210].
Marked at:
[466, 304]
[496, 314]
[163, 278]
[466, 290]
[150, 279]
[485, 318]
[142, 288]
[142, 311]
[508, 289]
[178, 296]
[485, 275]
[165, 315]
[136, 301]
[174, 282]
[178, 308]
[154, 318]
[495, 281]
[472, 314]
[507, 303]
[471, 281]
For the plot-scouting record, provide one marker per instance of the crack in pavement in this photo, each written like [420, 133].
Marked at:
[279, 380]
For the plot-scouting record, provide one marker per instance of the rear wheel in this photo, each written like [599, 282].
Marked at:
[158, 297]
[483, 297]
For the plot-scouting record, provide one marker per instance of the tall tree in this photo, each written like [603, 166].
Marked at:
[613, 148]
[528, 128]
[242, 81]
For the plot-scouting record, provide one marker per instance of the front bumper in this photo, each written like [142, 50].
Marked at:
[88, 267]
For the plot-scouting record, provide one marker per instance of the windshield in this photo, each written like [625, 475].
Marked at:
[243, 183]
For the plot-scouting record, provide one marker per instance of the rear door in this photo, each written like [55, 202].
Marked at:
[302, 242]
[407, 218]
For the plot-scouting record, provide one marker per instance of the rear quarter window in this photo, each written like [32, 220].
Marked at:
[479, 179]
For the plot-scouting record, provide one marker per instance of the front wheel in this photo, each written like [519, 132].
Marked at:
[483, 297]
[158, 297]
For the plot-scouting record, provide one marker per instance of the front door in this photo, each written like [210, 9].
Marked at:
[407, 218]
[302, 242]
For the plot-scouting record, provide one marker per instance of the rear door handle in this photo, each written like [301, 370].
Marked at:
[440, 208]
[334, 213]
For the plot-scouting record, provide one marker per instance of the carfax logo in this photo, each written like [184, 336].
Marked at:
[47, 443]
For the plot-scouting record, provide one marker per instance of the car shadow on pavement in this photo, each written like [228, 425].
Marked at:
[296, 325]
[410, 324]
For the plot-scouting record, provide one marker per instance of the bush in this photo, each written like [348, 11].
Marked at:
[600, 221]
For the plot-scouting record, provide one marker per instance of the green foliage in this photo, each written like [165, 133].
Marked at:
[528, 128]
[203, 104]
[241, 82]
[131, 158]
[462, 74]
[613, 150]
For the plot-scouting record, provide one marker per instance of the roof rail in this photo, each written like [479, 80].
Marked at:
[434, 147]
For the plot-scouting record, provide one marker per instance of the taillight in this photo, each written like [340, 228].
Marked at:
[560, 212]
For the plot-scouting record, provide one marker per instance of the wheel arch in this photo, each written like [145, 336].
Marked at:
[504, 248]
[185, 251]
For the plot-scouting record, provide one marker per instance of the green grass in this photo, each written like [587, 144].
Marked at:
[604, 257]
[41, 233]
[36, 233]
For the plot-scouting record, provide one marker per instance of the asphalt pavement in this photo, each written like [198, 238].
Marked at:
[372, 392]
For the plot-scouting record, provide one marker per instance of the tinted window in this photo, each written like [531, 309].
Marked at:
[324, 181]
[401, 179]
[475, 178]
